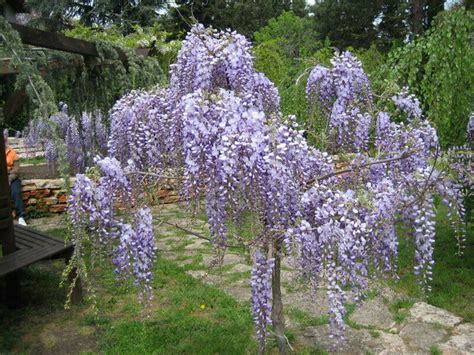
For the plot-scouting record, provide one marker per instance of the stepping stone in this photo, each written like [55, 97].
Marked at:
[198, 244]
[420, 336]
[173, 240]
[461, 341]
[305, 300]
[163, 246]
[184, 262]
[197, 274]
[168, 254]
[373, 313]
[387, 344]
[288, 276]
[241, 268]
[229, 259]
[424, 312]
[356, 340]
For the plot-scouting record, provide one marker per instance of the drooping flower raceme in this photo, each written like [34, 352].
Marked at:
[408, 103]
[342, 94]
[82, 137]
[129, 236]
[261, 283]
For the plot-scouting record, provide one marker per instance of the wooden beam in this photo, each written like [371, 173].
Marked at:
[60, 42]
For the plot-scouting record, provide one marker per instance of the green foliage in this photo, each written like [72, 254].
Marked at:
[306, 320]
[37, 89]
[286, 50]
[439, 68]
[271, 62]
[84, 84]
[153, 37]
[293, 36]
[245, 17]
[400, 309]
[56, 15]
[39, 210]
[362, 23]
[346, 23]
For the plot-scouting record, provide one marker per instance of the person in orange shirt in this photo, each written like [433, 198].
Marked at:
[13, 167]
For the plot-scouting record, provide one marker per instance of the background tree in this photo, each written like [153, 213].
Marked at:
[360, 23]
[438, 68]
[423, 13]
[56, 15]
[346, 23]
[245, 17]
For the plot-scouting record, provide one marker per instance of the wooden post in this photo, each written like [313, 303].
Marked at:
[7, 233]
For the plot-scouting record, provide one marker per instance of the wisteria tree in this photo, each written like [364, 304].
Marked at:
[218, 126]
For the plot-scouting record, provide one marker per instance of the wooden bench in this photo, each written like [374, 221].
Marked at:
[22, 246]
[33, 246]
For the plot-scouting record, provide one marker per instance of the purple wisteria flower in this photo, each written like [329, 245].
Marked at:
[261, 283]
[92, 210]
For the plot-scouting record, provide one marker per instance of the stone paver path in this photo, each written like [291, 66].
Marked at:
[373, 327]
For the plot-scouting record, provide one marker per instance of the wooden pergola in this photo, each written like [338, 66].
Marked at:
[21, 246]
[60, 42]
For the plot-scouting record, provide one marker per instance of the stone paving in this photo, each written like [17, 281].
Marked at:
[376, 326]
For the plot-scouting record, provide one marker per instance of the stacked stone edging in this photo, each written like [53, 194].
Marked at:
[49, 195]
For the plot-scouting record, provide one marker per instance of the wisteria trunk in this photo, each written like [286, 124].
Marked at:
[278, 318]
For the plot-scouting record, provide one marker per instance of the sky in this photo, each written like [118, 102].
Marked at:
[447, 4]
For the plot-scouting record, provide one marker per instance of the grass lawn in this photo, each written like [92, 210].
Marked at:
[188, 316]
[34, 161]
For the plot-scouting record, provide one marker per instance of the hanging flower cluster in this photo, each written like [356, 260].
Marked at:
[83, 138]
[408, 103]
[342, 94]
[129, 237]
[401, 186]
[261, 282]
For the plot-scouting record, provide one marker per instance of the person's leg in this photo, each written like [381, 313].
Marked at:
[16, 195]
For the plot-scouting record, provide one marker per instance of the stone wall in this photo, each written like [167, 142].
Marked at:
[48, 195]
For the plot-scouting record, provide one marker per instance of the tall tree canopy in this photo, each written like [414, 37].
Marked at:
[359, 23]
[245, 17]
[55, 15]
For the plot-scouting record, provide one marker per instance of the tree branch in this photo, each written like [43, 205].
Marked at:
[365, 165]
